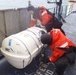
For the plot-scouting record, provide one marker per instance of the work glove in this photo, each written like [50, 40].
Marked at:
[45, 60]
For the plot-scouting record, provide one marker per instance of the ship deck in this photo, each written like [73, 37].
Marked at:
[70, 29]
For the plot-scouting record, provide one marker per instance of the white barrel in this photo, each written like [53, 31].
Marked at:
[19, 49]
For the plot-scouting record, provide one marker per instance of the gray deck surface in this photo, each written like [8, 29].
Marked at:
[70, 30]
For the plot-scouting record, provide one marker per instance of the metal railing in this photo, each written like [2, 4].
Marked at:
[65, 10]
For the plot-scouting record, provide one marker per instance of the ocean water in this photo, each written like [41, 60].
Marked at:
[14, 4]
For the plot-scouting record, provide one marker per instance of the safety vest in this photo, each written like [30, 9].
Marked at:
[59, 40]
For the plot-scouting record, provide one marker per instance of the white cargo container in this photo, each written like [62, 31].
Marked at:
[20, 49]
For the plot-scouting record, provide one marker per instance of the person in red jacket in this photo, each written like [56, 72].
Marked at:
[47, 18]
[64, 50]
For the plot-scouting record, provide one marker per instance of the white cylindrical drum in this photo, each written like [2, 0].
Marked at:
[19, 49]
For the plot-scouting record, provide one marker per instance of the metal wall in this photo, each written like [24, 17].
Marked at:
[13, 21]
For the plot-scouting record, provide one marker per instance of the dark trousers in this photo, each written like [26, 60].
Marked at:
[64, 61]
[61, 65]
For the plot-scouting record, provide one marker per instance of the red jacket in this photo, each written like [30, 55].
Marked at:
[59, 40]
[44, 16]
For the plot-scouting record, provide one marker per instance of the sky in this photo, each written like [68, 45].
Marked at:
[14, 4]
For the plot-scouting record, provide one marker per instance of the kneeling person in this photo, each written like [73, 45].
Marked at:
[64, 50]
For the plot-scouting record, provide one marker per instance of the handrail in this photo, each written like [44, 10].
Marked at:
[64, 10]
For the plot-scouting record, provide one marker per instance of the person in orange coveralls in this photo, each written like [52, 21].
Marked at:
[63, 49]
[47, 18]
